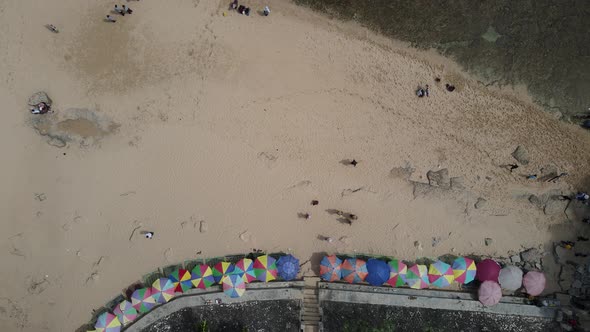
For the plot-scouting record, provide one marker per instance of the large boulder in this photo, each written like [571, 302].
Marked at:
[439, 178]
[39, 97]
[520, 154]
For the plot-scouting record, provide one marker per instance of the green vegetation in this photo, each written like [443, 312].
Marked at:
[363, 326]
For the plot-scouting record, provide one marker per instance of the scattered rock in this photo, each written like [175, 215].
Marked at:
[488, 241]
[566, 327]
[532, 256]
[439, 178]
[457, 183]
[57, 142]
[481, 202]
[515, 259]
[203, 227]
[521, 155]
[566, 276]
[39, 97]
[554, 207]
[418, 245]
[561, 254]
[534, 199]
[402, 172]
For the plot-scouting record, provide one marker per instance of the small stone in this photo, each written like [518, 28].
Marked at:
[532, 255]
[561, 254]
[521, 155]
[418, 245]
[567, 311]
[481, 202]
[439, 178]
[534, 199]
[577, 284]
[453, 250]
[203, 227]
[538, 266]
[488, 241]
[57, 142]
[515, 259]
[566, 327]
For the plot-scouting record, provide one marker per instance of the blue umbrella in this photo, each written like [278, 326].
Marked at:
[288, 267]
[378, 272]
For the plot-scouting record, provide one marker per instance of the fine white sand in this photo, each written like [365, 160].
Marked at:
[240, 122]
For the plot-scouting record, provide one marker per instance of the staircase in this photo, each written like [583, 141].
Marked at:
[310, 311]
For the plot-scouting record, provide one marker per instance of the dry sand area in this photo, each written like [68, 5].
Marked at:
[215, 131]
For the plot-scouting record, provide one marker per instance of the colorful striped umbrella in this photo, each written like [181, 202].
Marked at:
[440, 274]
[202, 276]
[464, 270]
[162, 290]
[107, 322]
[142, 300]
[125, 312]
[417, 276]
[245, 267]
[330, 268]
[378, 272]
[488, 270]
[181, 279]
[233, 285]
[397, 273]
[265, 268]
[288, 267]
[222, 269]
[354, 270]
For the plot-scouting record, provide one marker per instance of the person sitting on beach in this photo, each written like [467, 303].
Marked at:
[120, 10]
[450, 88]
[40, 108]
[234, 5]
[247, 11]
[127, 10]
[52, 28]
[241, 9]
[420, 92]
[111, 19]
[266, 11]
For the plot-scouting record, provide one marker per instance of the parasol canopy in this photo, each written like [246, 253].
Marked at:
[181, 279]
[245, 267]
[534, 283]
[397, 273]
[488, 270]
[107, 322]
[417, 276]
[288, 267]
[265, 268]
[510, 278]
[233, 285]
[202, 276]
[142, 300]
[440, 274]
[125, 312]
[489, 293]
[162, 290]
[464, 270]
[378, 272]
[221, 270]
[330, 268]
[354, 270]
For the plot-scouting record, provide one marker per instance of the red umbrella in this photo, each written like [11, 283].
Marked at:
[489, 293]
[534, 283]
[487, 270]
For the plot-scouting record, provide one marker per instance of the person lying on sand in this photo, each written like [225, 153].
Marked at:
[127, 10]
[52, 28]
[40, 108]
[111, 19]
[120, 10]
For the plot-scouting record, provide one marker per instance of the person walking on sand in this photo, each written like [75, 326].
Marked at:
[127, 10]
[266, 11]
[111, 19]
[120, 10]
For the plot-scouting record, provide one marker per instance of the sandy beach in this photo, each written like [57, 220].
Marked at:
[214, 131]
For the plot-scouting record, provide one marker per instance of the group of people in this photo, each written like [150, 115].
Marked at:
[423, 91]
[121, 11]
[246, 10]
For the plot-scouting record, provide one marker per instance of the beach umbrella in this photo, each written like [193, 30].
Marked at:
[125, 312]
[417, 276]
[440, 274]
[464, 270]
[378, 272]
[265, 268]
[245, 268]
[330, 268]
[354, 270]
[107, 322]
[397, 273]
[162, 290]
[288, 267]
[181, 279]
[489, 293]
[233, 285]
[534, 283]
[487, 270]
[221, 270]
[142, 300]
[202, 276]
[510, 278]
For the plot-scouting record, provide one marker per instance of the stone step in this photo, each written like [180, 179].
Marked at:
[311, 328]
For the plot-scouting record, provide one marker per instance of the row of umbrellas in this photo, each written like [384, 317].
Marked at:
[439, 274]
[396, 273]
[232, 277]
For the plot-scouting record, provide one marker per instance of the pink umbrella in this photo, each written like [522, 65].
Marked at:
[487, 270]
[489, 293]
[534, 283]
